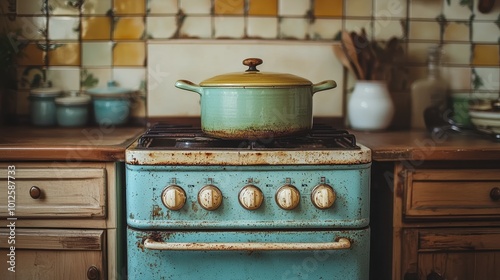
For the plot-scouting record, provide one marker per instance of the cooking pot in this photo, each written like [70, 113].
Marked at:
[253, 104]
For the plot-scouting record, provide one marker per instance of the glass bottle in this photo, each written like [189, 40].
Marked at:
[430, 91]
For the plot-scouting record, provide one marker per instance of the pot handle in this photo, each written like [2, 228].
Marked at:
[324, 85]
[187, 85]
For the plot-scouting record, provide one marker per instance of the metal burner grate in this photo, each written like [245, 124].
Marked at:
[181, 137]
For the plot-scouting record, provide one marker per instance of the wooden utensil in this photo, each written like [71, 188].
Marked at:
[341, 55]
[351, 53]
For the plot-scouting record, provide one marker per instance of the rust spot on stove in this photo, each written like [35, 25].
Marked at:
[134, 161]
[194, 206]
[157, 212]
[131, 216]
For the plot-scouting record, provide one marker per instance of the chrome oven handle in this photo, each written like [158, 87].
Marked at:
[341, 244]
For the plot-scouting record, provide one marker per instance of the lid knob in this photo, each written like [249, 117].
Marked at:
[252, 64]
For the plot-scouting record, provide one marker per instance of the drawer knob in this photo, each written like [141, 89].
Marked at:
[495, 194]
[93, 273]
[35, 192]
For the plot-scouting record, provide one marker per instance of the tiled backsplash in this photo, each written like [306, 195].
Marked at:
[84, 43]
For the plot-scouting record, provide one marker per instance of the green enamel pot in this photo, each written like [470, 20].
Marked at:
[253, 104]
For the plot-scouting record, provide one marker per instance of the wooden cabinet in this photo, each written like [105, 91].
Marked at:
[67, 217]
[445, 221]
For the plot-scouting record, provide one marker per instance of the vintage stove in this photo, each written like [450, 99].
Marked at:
[287, 208]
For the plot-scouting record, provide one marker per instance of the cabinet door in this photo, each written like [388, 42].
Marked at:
[458, 253]
[53, 254]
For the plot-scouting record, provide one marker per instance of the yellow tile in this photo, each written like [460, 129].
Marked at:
[67, 54]
[96, 28]
[263, 7]
[328, 8]
[31, 55]
[228, 7]
[129, 7]
[486, 55]
[129, 54]
[128, 28]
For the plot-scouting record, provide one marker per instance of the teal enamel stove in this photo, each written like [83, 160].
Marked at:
[293, 208]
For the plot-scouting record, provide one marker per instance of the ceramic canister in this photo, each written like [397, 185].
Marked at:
[72, 110]
[43, 107]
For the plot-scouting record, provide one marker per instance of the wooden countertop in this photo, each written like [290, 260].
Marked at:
[420, 145]
[22, 143]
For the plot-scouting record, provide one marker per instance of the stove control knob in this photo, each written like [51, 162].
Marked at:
[250, 197]
[323, 196]
[288, 197]
[210, 197]
[173, 197]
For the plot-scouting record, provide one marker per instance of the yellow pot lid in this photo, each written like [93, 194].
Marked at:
[254, 78]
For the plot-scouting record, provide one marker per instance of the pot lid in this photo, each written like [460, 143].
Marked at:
[254, 78]
[73, 100]
[45, 92]
[111, 90]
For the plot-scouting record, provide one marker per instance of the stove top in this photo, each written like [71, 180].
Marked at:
[185, 137]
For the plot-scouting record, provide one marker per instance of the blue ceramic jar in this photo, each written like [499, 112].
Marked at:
[72, 111]
[43, 107]
[111, 104]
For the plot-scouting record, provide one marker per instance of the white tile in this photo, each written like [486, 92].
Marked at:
[425, 9]
[161, 27]
[63, 28]
[96, 54]
[357, 25]
[65, 78]
[325, 29]
[386, 29]
[458, 78]
[196, 6]
[293, 7]
[196, 27]
[132, 78]
[424, 30]
[417, 52]
[229, 27]
[454, 10]
[456, 54]
[162, 7]
[390, 9]
[457, 31]
[262, 27]
[294, 28]
[358, 8]
[487, 32]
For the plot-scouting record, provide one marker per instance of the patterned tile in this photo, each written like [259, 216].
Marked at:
[64, 54]
[200, 7]
[95, 77]
[60, 7]
[129, 7]
[31, 54]
[325, 29]
[64, 78]
[96, 7]
[489, 78]
[31, 28]
[294, 28]
[457, 10]
[196, 27]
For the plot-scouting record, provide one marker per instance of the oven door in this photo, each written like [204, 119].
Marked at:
[308, 254]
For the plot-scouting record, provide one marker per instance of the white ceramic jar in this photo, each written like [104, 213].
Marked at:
[370, 106]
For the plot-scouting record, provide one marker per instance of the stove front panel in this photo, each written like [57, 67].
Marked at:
[344, 264]
[146, 196]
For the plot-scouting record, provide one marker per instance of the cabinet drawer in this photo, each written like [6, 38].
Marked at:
[53, 254]
[452, 193]
[55, 193]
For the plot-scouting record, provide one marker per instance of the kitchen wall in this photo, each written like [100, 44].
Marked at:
[82, 44]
